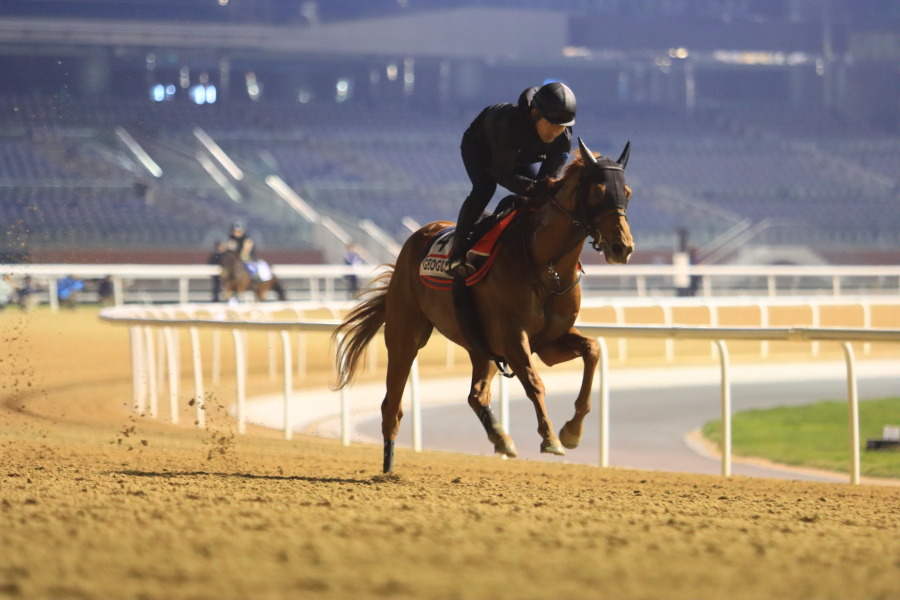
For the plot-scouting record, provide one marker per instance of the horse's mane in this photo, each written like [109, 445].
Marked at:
[572, 170]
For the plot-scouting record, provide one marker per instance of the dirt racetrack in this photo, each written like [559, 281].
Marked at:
[96, 502]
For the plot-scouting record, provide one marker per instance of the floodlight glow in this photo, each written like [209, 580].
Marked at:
[198, 94]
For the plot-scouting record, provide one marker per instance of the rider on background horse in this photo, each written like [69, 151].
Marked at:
[504, 145]
[243, 244]
[240, 242]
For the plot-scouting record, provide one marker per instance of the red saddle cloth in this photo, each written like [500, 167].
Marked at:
[433, 268]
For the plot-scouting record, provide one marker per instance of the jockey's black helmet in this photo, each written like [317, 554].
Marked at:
[526, 96]
[556, 103]
[237, 226]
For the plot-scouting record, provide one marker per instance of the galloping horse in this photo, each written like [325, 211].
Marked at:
[236, 279]
[527, 303]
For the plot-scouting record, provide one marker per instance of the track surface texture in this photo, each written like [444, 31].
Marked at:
[99, 502]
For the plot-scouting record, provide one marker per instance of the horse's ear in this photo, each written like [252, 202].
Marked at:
[623, 160]
[586, 155]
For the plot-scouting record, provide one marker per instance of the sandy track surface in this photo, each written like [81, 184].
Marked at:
[97, 502]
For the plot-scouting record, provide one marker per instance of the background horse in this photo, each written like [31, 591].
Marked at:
[236, 279]
[526, 304]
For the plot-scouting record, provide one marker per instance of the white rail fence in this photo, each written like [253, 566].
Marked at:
[186, 283]
[148, 325]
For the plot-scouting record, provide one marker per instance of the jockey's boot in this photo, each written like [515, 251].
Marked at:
[458, 263]
[459, 267]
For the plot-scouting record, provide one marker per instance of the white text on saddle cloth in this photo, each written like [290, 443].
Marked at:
[435, 262]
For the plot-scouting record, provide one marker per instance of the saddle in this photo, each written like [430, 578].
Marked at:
[487, 234]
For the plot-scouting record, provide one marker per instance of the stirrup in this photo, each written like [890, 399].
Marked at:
[458, 267]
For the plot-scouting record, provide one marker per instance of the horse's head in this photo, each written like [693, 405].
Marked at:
[602, 201]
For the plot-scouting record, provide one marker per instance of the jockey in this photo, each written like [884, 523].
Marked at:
[240, 242]
[518, 146]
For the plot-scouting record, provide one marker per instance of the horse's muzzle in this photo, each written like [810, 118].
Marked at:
[616, 253]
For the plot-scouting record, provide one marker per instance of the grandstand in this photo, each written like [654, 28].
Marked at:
[92, 172]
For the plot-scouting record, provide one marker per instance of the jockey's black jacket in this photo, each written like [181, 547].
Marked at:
[503, 136]
[236, 242]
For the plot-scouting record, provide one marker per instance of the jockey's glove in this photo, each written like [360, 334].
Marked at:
[541, 187]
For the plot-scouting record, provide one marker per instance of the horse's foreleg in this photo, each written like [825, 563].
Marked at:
[483, 372]
[518, 357]
[570, 346]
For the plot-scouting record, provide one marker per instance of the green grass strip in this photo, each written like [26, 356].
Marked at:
[815, 436]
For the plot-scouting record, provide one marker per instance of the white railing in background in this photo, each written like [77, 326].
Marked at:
[142, 322]
[182, 283]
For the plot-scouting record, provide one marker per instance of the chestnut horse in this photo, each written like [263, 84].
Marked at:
[236, 279]
[526, 304]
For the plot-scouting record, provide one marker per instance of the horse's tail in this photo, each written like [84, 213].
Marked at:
[358, 329]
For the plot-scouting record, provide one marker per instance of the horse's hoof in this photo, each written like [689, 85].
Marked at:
[506, 447]
[552, 447]
[567, 439]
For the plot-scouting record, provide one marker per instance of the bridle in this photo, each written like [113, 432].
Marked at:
[584, 216]
[615, 199]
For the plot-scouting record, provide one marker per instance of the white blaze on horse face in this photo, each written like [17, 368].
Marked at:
[615, 238]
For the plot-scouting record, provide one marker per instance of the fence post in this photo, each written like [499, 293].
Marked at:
[216, 356]
[183, 294]
[287, 366]
[240, 370]
[764, 322]
[670, 342]
[620, 320]
[301, 354]
[816, 319]
[603, 391]
[138, 369]
[151, 370]
[853, 413]
[726, 408]
[172, 365]
[199, 401]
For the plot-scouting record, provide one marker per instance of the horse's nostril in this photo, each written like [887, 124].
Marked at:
[618, 249]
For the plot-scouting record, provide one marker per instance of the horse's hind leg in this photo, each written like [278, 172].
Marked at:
[570, 346]
[483, 371]
[403, 340]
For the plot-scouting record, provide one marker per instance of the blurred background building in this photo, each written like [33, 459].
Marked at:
[762, 131]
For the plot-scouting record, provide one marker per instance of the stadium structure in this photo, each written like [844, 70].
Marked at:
[136, 131]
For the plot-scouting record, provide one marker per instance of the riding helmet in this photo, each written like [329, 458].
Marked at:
[237, 225]
[556, 103]
[526, 96]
